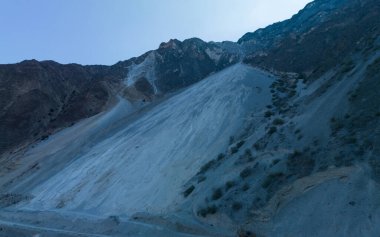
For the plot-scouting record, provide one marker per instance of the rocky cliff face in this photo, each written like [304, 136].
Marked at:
[316, 39]
[39, 97]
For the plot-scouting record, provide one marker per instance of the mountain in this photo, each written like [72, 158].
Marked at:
[316, 39]
[40, 98]
[275, 135]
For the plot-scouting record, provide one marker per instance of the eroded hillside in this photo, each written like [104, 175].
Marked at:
[192, 142]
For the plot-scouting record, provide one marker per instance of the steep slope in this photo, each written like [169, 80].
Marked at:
[139, 163]
[307, 168]
[290, 152]
[319, 37]
[39, 98]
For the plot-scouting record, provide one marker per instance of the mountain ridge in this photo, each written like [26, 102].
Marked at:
[276, 135]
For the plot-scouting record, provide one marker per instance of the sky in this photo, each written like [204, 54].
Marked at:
[107, 31]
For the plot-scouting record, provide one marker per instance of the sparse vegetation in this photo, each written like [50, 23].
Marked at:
[270, 179]
[274, 162]
[44, 137]
[217, 194]
[245, 187]
[221, 156]
[246, 172]
[268, 114]
[350, 140]
[272, 130]
[300, 164]
[229, 185]
[257, 146]
[336, 125]
[210, 210]
[245, 233]
[347, 66]
[188, 191]
[278, 121]
[207, 166]
[236, 206]
[240, 144]
[234, 150]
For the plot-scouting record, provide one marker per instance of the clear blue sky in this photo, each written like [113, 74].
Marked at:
[106, 31]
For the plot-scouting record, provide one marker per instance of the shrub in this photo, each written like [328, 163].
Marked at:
[245, 187]
[221, 156]
[278, 121]
[268, 114]
[257, 146]
[188, 191]
[272, 130]
[240, 144]
[350, 140]
[207, 166]
[274, 162]
[234, 150]
[245, 172]
[237, 206]
[230, 184]
[300, 164]
[44, 137]
[336, 125]
[217, 194]
[210, 210]
[271, 179]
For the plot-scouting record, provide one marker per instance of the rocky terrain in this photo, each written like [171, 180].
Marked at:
[40, 98]
[275, 135]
